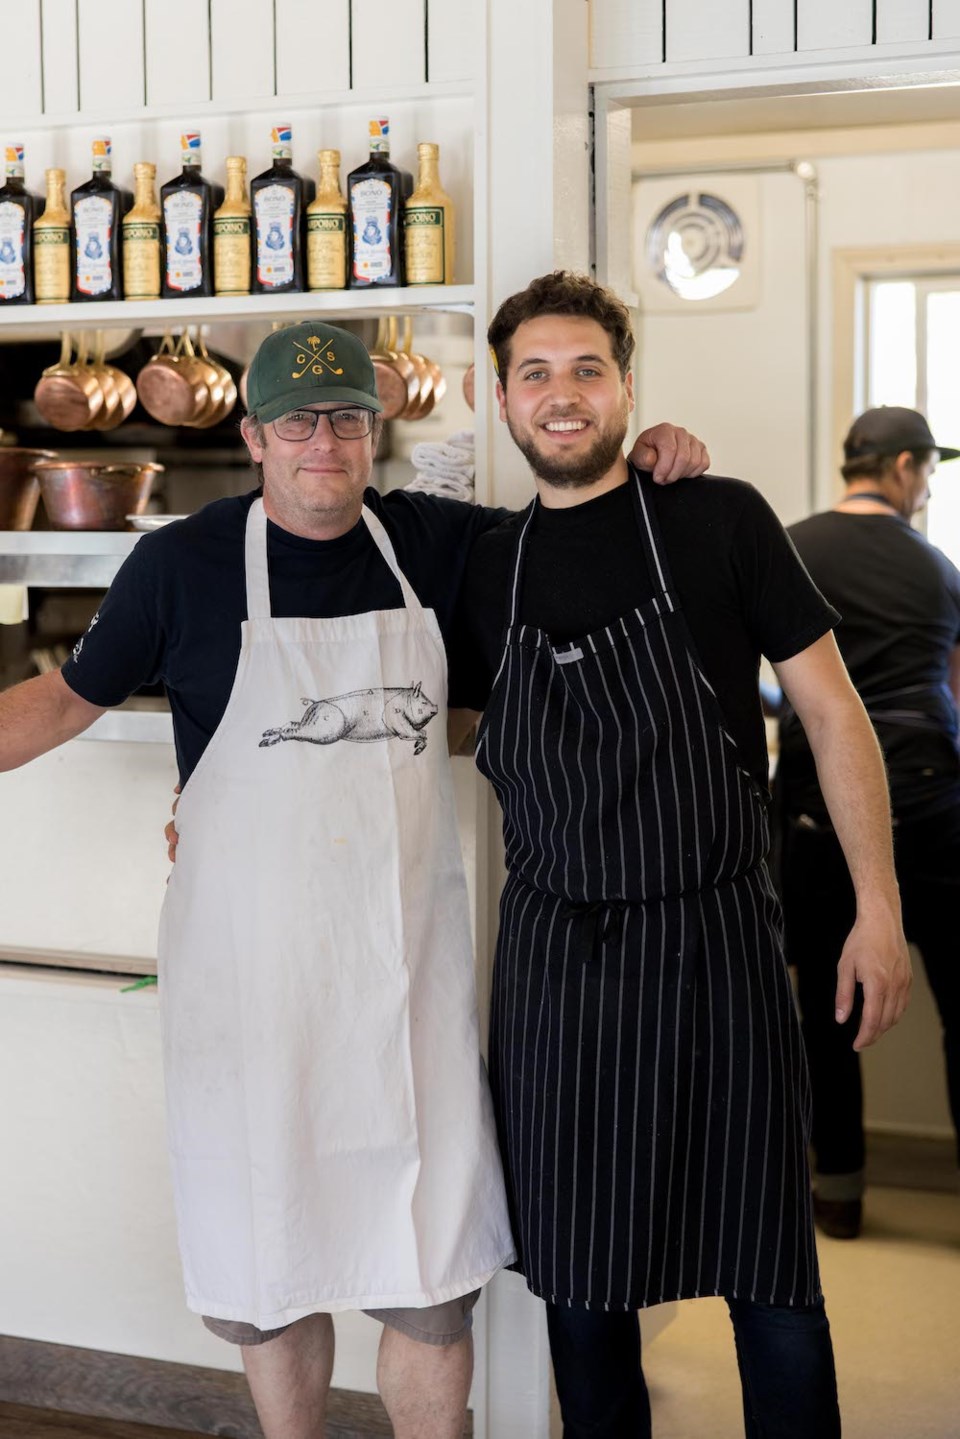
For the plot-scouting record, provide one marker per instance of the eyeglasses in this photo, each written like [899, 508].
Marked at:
[345, 424]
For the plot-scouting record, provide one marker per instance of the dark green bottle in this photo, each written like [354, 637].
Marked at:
[187, 204]
[96, 214]
[280, 197]
[18, 210]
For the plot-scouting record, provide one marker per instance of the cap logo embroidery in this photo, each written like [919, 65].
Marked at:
[318, 362]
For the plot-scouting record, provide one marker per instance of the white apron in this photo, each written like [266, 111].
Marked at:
[330, 1125]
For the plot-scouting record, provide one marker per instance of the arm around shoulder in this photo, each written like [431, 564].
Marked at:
[38, 715]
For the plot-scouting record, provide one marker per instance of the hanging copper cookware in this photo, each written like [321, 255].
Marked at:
[171, 384]
[111, 377]
[396, 377]
[469, 385]
[68, 395]
[431, 383]
[220, 384]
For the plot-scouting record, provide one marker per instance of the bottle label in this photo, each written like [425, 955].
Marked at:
[231, 254]
[424, 236]
[327, 251]
[370, 203]
[13, 279]
[182, 214]
[141, 260]
[274, 206]
[51, 263]
[93, 223]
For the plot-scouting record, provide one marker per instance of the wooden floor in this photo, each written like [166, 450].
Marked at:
[18, 1421]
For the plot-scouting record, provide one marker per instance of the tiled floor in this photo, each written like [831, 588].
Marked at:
[893, 1297]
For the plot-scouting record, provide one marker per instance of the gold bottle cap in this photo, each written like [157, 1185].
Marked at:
[328, 157]
[145, 169]
[55, 176]
[427, 147]
[237, 162]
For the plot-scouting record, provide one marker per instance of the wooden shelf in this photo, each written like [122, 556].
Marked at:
[37, 321]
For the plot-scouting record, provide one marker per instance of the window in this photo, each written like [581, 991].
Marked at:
[912, 357]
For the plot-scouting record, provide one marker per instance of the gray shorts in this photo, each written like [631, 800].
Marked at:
[436, 1324]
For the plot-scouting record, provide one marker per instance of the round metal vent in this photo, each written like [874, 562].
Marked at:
[695, 245]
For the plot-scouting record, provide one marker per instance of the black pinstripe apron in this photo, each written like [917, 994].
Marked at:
[646, 1061]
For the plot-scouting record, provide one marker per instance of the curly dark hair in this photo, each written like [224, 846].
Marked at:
[562, 293]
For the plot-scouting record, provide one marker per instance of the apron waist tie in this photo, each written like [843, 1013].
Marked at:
[605, 919]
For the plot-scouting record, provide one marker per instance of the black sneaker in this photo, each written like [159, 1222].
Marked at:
[839, 1218]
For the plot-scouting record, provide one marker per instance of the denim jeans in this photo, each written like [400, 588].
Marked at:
[784, 1354]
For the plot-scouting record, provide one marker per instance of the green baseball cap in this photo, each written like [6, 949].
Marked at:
[307, 364]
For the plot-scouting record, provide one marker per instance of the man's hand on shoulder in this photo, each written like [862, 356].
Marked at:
[671, 453]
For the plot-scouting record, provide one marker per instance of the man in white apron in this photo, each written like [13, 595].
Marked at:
[329, 1121]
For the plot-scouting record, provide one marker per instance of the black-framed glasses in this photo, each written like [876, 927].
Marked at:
[352, 424]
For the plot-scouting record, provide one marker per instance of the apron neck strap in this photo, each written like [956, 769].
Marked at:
[521, 556]
[258, 578]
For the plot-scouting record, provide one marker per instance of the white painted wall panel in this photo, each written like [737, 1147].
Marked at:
[773, 27]
[389, 44]
[178, 51]
[313, 46]
[625, 32]
[110, 41]
[946, 19]
[696, 31]
[21, 93]
[452, 40]
[829, 25]
[59, 22]
[243, 54]
[902, 20]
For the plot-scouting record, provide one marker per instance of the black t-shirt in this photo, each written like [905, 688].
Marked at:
[174, 610]
[900, 601]
[738, 579]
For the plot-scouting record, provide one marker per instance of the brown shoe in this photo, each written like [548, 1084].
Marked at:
[839, 1218]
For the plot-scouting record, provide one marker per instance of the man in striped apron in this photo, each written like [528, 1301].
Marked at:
[646, 1060]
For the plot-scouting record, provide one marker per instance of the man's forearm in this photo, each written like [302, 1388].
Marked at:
[854, 784]
[38, 715]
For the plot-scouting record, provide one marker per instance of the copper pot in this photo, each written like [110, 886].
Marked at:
[171, 386]
[431, 385]
[19, 488]
[83, 495]
[68, 395]
[119, 393]
[222, 390]
[396, 377]
[469, 385]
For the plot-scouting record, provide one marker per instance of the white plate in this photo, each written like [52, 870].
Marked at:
[151, 522]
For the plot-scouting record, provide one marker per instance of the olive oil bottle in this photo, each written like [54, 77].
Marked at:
[141, 237]
[231, 233]
[188, 202]
[97, 210]
[18, 209]
[429, 225]
[280, 198]
[327, 228]
[375, 194]
[51, 244]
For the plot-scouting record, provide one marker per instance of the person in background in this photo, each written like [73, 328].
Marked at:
[899, 636]
[329, 1121]
[645, 1055]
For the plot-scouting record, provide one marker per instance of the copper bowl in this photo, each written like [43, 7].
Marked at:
[81, 495]
[19, 490]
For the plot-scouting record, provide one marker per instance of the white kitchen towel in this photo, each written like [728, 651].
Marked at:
[446, 468]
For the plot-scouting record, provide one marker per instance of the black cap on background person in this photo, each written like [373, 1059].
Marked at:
[889, 430]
